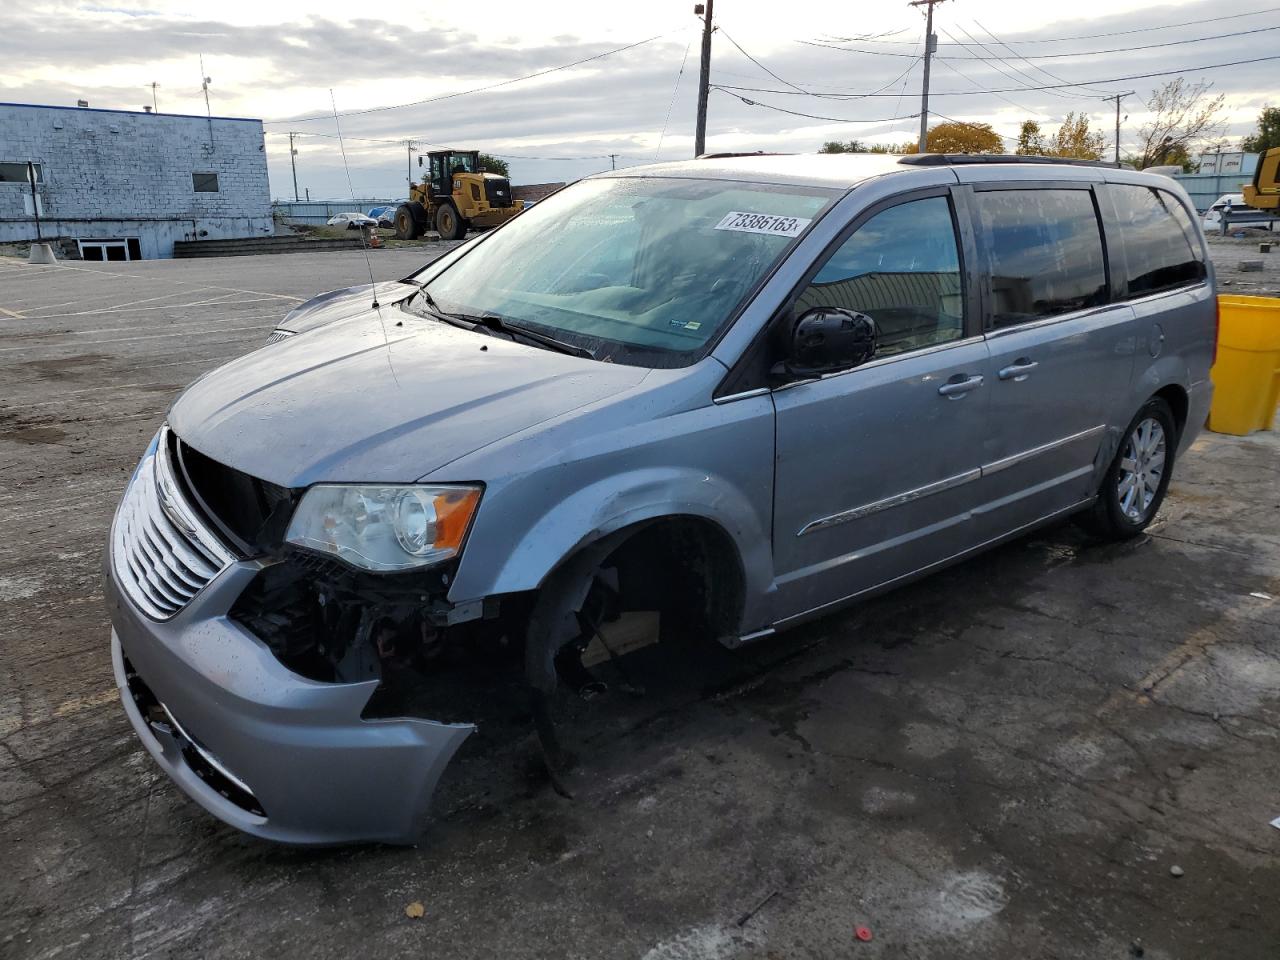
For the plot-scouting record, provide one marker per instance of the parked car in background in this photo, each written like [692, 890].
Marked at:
[384, 215]
[352, 221]
[729, 394]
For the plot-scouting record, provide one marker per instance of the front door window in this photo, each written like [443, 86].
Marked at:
[901, 268]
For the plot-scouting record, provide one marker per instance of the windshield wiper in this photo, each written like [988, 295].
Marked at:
[495, 323]
[491, 321]
[433, 309]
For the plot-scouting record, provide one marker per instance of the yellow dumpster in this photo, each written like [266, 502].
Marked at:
[1246, 377]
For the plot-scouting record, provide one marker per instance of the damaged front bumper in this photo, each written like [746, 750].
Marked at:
[266, 750]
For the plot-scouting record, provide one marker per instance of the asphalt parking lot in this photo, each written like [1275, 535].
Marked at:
[1005, 760]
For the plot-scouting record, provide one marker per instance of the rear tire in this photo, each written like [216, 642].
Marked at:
[449, 224]
[407, 227]
[1136, 482]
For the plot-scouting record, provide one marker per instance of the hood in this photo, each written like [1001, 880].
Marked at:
[342, 404]
[337, 304]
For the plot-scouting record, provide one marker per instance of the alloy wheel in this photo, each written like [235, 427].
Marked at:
[1141, 469]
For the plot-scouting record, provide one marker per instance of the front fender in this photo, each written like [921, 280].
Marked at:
[600, 509]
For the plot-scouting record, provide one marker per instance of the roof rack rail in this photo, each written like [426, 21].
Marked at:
[944, 159]
[748, 153]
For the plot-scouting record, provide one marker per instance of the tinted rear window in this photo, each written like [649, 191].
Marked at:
[1046, 253]
[1159, 242]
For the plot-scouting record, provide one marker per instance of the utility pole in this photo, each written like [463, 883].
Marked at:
[930, 46]
[613, 161]
[700, 131]
[409, 145]
[294, 164]
[154, 107]
[1117, 97]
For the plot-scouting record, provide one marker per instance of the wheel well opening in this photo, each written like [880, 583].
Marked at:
[686, 568]
[1178, 402]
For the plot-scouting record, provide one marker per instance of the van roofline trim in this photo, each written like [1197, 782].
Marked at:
[946, 159]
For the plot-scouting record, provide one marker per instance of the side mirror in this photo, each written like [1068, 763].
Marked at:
[827, 339]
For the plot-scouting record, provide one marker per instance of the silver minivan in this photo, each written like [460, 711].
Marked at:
[670, 404]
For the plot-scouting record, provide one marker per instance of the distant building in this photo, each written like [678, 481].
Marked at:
[124, 185]
[1226, 162]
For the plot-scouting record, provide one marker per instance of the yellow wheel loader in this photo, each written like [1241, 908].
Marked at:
[1264, 192]
[456, 195]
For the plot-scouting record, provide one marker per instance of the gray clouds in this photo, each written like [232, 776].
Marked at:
[616, 105]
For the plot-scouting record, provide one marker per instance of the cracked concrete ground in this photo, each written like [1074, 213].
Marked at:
[1001, 761]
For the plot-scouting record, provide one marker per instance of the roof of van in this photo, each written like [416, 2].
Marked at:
[845, 170]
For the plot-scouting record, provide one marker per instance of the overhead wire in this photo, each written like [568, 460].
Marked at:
[671, 105]
[1021, 89]
[1114, 33]
[811, 116]
[399, 141]
[1028, 57]
[485, 87]
[983, 126]
[1019, 76]
[725, 34]
[975, 83]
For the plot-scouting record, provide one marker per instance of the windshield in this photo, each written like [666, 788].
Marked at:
[637, 270]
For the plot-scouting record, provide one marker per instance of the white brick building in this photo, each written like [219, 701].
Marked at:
[126, 185]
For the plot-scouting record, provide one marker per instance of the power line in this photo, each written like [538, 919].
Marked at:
[1098, 53]
[834, 96]
[810, 116]
[1022, 89]
[491, 86]
[1021, 79]
[977, 126]
[1047, 73]
[671, 105]
[975, 42]
[758, 63]
[1114, 33]
[975, 83]
[875, 37]
[401, 142]
[1031, 79]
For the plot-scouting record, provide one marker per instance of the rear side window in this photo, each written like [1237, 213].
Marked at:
[1045, 251]
[1158, 240]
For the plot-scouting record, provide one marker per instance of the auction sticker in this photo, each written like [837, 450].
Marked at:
[763, 223]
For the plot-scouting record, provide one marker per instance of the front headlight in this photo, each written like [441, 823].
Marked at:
[384, 528]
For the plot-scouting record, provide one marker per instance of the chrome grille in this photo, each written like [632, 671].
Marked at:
[161, 552]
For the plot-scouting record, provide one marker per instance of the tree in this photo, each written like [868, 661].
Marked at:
[1031, 140]
[1075, 140]
[494, 165]
[1268, 135]
[856, 146]
[838, 146]
[954, 136]
[1183, 115]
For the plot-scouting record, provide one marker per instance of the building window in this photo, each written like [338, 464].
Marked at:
[16, 172]
[204, 182]
[114, 249]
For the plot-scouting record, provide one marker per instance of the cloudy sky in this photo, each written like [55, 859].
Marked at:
[279, 61]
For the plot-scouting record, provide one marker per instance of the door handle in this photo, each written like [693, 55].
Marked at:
[1018, 370]
[958, 388]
